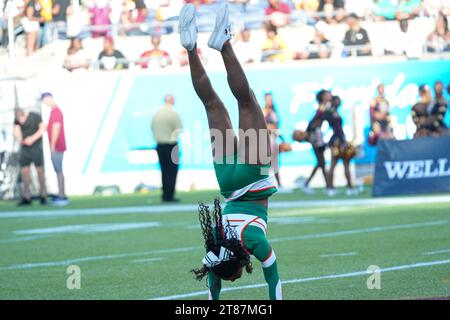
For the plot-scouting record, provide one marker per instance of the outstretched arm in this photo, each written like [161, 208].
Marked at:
[215, 285]
[256, 241]
[270, 269]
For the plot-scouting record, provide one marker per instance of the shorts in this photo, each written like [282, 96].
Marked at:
[57, 160]
[30, 26]
[245, 207]
[33, 155]
[243, 181]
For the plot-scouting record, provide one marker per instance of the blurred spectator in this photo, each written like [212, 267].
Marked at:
[8, 8]
[274, 47]
[314, 136]
[168, 11]
[155, 56]
[110, 58]
[183, 58]
[76, 57]
[356, 36]
[362, 8]
[166, 126]
[135, 12]
[339, 146]
[408, 9]
[57, 142]
[436, 7]
[404, 42]
[60, 11]
[198, 2]
[306, 5]
[28, 131]
[245, 50]
[140, 14]
[272, 120]
[380, 119]
[331, 5]
[439, 109]
[319, 47]
[333, 10]
[115, 16]
[420, 112]
[31, 23]
[48, 30]
[100, 21]
[385, 9]
[3, 24]
[278, 12]
[439, 39]
[428, 114]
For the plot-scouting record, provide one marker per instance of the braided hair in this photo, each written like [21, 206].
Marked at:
[217, 235]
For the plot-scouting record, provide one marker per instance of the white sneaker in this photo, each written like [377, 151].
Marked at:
[60, 202]
[331, 192]
[188, 27]
[308, 190]
[222, 28]
[352, 192]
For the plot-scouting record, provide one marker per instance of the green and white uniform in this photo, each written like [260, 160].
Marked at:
[240, 182]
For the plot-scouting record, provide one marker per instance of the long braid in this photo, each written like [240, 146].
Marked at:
[217, 216]
[206, 224]
[217, 235]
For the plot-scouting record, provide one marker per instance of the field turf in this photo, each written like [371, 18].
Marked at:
[132, 247]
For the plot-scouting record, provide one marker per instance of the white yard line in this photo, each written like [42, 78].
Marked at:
[363, 230]
[430, 253]
[344, 254]
[157, 209]
[29, 238]
[146, 260]
[187, 249]
[310, 279]
[94, 258]
[88, 228]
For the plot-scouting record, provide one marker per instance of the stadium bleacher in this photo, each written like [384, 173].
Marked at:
[146, 18]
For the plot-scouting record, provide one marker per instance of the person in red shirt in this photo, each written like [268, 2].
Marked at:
[279, 12]
[277, 6]
[57, 141]
[155, 56]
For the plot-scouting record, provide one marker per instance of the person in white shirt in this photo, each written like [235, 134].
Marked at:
[245, 50]
[361, 8]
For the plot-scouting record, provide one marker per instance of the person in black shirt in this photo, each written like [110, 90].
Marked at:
[59, 10]
[313, 135]
[420, 113]
[110, 58]
[356, 36]
[339, 146]
[439, 109]
[28, 131]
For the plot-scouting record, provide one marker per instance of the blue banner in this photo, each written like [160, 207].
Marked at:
[415, 166]
[293, 87]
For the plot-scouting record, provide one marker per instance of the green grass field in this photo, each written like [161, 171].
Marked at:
[132, 247]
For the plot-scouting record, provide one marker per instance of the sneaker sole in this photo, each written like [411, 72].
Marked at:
[219, 25]
[187, 15]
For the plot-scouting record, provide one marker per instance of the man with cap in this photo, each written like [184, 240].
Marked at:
[57, 142]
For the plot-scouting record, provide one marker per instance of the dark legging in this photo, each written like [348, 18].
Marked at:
[320, 158]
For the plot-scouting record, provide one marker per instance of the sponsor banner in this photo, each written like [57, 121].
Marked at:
[294, 91]
[415, 166]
